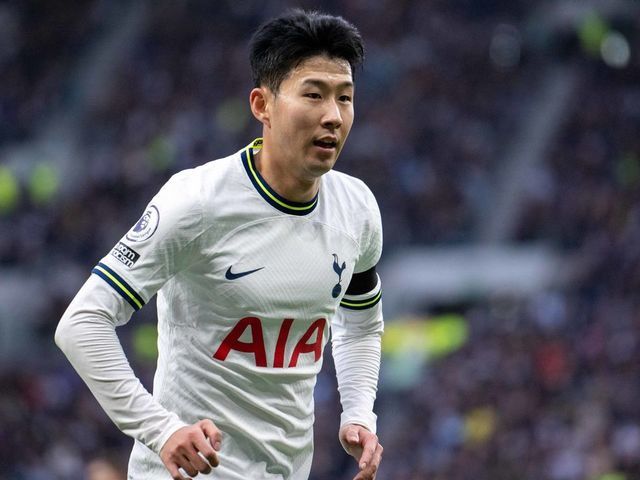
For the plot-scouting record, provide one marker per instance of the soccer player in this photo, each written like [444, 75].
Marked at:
[254, 257]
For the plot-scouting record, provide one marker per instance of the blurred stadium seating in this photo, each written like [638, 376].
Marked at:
[502, 140]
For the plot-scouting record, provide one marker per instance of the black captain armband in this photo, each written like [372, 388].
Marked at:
[363, 292]
[363, 282]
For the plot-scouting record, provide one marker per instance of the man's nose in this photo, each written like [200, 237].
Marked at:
[332, 117]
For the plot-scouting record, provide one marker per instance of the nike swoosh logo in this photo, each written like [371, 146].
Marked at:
[233, 276]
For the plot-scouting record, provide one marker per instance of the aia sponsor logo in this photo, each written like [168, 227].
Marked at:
[309, 343]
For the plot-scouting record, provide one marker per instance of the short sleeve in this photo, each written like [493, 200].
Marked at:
[161, 243]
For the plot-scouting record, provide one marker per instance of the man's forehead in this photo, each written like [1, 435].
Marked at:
[326, 80]
[321, 68]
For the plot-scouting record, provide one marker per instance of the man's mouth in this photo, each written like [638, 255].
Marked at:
[326, 144]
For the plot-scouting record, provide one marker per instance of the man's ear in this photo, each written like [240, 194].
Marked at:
[261, 100]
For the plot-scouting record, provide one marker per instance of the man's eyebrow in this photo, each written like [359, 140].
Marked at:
[322, 83]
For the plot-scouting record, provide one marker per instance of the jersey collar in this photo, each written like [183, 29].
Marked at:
[268, 193]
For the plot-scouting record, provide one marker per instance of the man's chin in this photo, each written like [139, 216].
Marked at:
[320, 166]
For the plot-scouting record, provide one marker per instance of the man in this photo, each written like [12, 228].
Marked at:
[251, 256]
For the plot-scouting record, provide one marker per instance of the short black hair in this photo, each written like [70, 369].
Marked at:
[282, 43]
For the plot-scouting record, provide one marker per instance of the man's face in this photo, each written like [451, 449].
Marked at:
[311, 115]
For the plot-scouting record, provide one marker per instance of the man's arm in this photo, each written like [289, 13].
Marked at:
[356, 340]
[86, 334]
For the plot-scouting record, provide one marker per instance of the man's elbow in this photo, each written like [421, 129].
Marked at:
[63, 334]
[70, 328]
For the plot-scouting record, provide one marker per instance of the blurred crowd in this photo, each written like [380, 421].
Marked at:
[545, 388]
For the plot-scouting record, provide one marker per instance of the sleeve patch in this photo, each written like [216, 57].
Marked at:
[125, 254]
[146, 226]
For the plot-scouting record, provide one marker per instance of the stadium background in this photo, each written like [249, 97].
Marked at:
[502, 139]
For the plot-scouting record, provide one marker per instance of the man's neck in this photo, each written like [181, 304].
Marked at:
[282, 179]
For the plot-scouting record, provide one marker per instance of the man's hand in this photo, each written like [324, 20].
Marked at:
[363, 445]
[182, 449]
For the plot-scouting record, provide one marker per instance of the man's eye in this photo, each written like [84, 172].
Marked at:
[312, 95]
[345, 98]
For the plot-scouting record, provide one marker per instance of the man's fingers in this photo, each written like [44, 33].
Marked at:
[190, 450]
[212, 432]
[377, 457]
[198, 462]
[352, 435]
[188, 467]
[351, 441]
[173, 470]
[368, 450]
[204, 447]
[365, 449]
[369, 473]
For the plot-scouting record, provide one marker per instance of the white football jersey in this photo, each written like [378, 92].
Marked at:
[248, 284]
